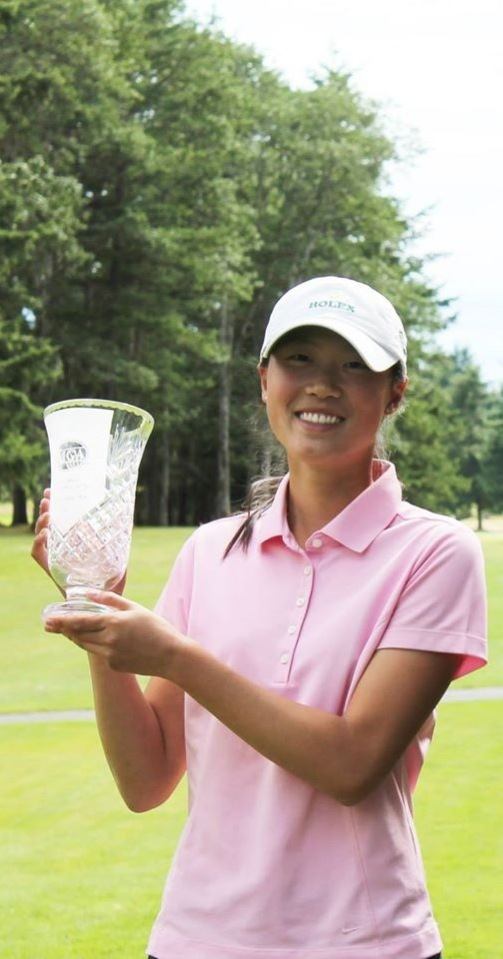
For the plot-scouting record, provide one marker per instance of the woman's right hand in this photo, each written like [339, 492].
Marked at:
[39, 548]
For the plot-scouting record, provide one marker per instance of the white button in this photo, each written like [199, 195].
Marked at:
[291, 630]
[300, 601]
[308, 570]
[317, 542]
[284, 658]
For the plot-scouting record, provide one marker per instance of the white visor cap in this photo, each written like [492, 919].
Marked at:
[357, 312]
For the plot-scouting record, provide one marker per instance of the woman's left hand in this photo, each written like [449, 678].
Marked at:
[129, 637]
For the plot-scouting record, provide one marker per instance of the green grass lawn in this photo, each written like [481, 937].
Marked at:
[82, 877]
[39, 671]
[458, 817]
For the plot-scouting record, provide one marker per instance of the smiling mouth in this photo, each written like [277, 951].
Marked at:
[319, 419]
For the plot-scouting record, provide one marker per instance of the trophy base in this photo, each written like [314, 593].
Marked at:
[71, 606]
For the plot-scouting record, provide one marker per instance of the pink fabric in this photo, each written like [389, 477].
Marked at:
[268, 867]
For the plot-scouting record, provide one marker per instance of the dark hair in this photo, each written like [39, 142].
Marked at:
[262, 491]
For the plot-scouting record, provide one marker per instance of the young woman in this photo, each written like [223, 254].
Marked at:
[297, 655]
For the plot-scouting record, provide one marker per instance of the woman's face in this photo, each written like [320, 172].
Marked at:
[314, 371]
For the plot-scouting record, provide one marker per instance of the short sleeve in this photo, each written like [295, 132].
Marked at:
[174, 601]
[443, 606]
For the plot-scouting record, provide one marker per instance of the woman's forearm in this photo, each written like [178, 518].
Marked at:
[141, 763]
[303, 740]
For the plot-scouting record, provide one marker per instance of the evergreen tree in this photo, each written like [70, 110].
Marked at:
[160, 189]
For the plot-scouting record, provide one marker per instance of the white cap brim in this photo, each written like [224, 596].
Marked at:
[375, 356]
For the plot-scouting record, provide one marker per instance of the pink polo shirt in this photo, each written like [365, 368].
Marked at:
[268, 867]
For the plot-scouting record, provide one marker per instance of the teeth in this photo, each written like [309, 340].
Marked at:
[319, 418]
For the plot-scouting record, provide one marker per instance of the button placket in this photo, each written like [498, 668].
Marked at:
[302, 596]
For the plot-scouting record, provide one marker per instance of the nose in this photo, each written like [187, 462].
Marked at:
[324, 385]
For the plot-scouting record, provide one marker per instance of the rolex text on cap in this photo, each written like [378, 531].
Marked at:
[354, 310]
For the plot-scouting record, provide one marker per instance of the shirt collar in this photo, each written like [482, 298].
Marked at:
[359, 522]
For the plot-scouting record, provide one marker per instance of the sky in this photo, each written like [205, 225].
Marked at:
[435, 68]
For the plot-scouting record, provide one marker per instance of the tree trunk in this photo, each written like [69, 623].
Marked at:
[19, 514]
[480, 528]
[164, 477]
[223, 496]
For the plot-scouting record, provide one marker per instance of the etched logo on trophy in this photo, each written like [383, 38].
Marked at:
[72, 455]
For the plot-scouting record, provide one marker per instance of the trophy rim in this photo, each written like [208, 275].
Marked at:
[96, 402]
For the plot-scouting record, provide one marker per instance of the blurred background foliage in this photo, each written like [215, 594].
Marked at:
[159, 190]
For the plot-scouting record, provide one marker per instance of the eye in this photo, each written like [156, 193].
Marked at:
[356, 365]
[298, 357]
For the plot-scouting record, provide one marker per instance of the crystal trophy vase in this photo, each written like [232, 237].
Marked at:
[96, 447]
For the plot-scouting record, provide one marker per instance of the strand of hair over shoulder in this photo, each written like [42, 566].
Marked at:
[258, 499]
